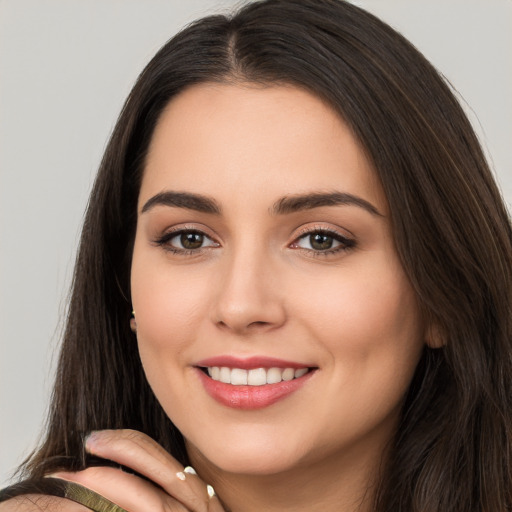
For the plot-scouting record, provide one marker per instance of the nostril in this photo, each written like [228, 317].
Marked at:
[248, 326]
[258, 324]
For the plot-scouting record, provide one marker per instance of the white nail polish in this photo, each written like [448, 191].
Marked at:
[181, 475]
[211, 492]
[190, 470]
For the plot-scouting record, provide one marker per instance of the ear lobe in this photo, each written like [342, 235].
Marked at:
[434, 337]
[133, 323]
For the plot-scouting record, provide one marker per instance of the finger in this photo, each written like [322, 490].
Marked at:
[144, 455]
[124, 489]
[214, 504]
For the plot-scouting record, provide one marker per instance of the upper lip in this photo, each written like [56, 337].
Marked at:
[250, 363]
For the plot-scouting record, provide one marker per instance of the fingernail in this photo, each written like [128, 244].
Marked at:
[210, 490]
[91, 439]
[181, 475]
[91, 436]
[190, 470]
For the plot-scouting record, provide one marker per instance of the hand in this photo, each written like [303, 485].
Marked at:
[180, 489]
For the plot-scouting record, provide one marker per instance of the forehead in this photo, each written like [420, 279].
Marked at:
[227, 138]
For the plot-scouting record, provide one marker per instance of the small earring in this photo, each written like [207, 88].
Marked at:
[133, 323]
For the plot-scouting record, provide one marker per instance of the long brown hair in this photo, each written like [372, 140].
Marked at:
[453, 449]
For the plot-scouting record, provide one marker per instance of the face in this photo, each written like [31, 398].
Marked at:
[275, 323]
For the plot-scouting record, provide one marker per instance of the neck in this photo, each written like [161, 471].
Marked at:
[344, 482]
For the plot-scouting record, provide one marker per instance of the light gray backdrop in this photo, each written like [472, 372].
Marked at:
[65, 69]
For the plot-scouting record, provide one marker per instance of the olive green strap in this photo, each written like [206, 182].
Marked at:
[90, 499]
[62, 489]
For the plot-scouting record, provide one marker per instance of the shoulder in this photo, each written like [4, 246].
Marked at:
[41, 503]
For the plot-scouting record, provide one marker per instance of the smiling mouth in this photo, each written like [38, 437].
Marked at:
[253, 387]
[253, 377]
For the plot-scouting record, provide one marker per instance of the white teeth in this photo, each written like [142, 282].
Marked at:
[225, 375]
[288, 374]
[238, 377]
[255, 377]
[274, 375]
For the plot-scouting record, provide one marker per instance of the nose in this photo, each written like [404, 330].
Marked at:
[249, 298]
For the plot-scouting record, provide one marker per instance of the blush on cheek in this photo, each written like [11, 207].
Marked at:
[361, 317]
[170, 305]
[163, 336]
[386, 303]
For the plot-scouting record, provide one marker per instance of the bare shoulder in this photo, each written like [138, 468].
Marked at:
[40, 503]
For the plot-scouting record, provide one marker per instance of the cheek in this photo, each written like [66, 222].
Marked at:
[367, 328]
[168, 306]
[367, 317]
[168, 314]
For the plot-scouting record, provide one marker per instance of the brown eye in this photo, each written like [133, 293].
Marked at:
[185, 241]
[190, 240]
[321, 241]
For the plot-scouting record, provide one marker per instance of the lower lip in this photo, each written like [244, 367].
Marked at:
[251, 397]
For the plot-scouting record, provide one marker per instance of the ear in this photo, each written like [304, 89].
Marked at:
[133, 323]
[434, 336]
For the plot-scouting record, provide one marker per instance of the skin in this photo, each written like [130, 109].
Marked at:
[256, 290]
[257, 286]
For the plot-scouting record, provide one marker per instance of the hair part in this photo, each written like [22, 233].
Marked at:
[452, 232]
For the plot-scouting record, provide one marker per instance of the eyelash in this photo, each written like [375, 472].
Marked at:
[345, 243]
[164, 240]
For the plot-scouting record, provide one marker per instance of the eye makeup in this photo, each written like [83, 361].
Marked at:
[316, 241]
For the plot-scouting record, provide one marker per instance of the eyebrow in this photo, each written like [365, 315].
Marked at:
[283, 206]
[186, 200]
[296, 203]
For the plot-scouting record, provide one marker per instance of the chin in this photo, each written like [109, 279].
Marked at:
[253, 464]
[249, 458]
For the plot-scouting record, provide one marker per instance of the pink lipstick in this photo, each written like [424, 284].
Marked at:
[251, 383]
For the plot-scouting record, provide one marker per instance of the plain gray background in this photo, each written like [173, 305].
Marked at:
[66, 67]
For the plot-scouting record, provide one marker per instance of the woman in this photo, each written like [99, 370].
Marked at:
[294, 276]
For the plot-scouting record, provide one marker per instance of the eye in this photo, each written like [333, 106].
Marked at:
[189, 240]
[323, 241]
[185, 241]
